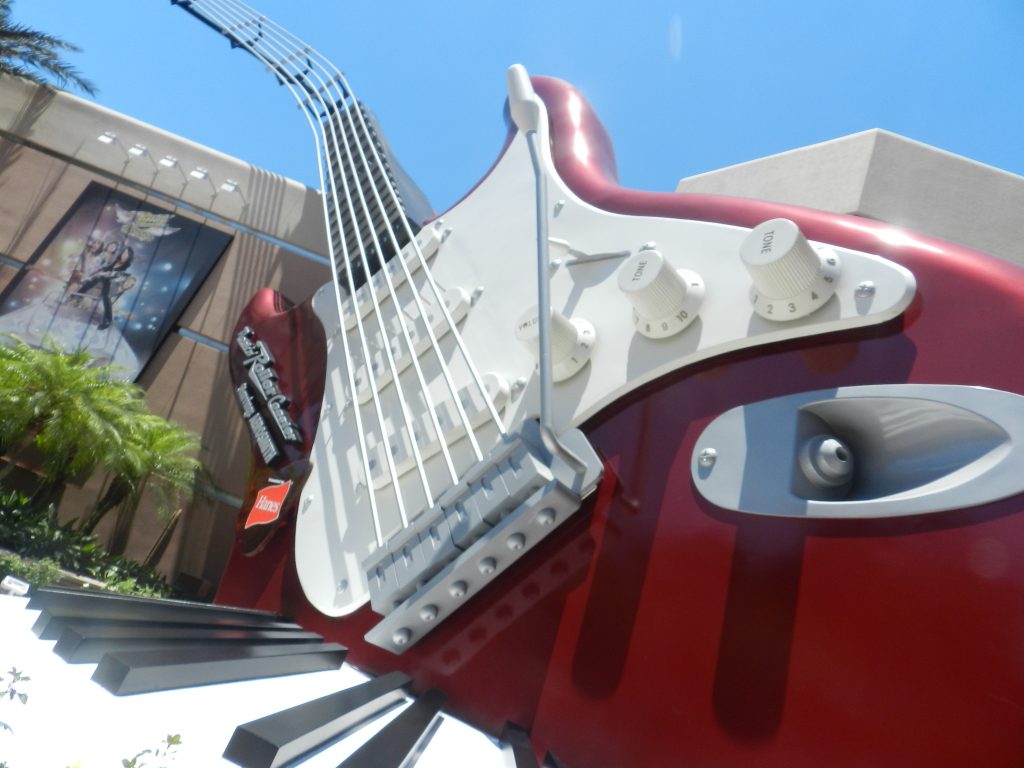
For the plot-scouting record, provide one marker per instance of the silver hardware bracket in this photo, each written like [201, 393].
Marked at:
[509, 503]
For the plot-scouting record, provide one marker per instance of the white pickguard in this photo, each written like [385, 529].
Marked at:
[491, 246]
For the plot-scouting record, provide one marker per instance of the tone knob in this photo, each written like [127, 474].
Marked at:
[791, 277]
[665, 300]
[572, 340]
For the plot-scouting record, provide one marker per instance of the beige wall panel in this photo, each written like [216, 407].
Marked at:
[206, 534]
[68, 126]
[35, 192]
[189, 383]
[946, 195]
[78, 501]
[249, 264]
[6, 275]
[828, 176]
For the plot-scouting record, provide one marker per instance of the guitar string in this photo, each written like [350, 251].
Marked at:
[478, 380]
[431, 408]
[455, 398]
[329, 113]
[350, 368]
[311, 68]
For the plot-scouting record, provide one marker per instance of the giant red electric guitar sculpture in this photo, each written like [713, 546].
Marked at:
[799, 544]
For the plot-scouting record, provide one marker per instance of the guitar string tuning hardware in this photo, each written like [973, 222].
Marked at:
[505, 506]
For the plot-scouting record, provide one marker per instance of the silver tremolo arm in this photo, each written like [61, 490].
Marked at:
[528, 114]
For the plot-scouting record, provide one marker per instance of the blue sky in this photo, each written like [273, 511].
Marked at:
[683, 87]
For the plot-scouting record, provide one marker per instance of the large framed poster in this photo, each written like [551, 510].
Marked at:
[112, 277]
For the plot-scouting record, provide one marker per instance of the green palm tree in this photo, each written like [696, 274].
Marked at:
[83, 418]
[157, 457]
[36, 56]
[72, 411]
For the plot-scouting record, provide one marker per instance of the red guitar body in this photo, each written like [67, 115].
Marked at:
[655, 629]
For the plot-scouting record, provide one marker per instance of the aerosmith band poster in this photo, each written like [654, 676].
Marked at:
[112, 278]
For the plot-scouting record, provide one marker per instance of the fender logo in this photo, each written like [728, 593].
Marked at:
[269, 500]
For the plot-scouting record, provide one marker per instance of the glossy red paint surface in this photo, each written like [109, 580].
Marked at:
[655, 629]
[296, 338]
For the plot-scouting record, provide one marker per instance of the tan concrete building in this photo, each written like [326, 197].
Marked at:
[880, 175]
[49, 153]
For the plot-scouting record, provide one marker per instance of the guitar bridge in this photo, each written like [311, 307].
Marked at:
[504, 507]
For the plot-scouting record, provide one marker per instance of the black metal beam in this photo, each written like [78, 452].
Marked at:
[165, 669]
[279, 738]
[516, 742]
[87, 644]
[93, 605]
[400, 743]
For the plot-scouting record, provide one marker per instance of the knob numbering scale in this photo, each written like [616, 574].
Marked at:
[665, 300]
[791, 278]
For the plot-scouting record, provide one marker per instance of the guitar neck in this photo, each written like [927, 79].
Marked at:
[373, 208]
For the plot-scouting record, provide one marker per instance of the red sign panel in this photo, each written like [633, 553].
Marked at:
[267, 508]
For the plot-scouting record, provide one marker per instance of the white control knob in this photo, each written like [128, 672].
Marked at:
[665, 300]
[572, 341]
[791, 277]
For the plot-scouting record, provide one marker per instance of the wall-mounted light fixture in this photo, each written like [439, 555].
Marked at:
[169, 161]
[107, 137]
[199, 173]
[229, 185]
[138, 150]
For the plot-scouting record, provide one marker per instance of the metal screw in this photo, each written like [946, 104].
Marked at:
[428, 612]
[343, 585]
[458, 589]
[515, 542]
[546, 516]
[401, 637]
[865, 290]
[487, 565]
[708, 457]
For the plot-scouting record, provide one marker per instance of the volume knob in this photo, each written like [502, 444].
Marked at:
[572, 340]
[665, 300]
[791, 277]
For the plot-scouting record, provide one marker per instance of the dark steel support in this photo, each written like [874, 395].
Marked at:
[166, 669]
[87, 644]
[278, 739]
[400, 743]
[516, 742]
[90, 604]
